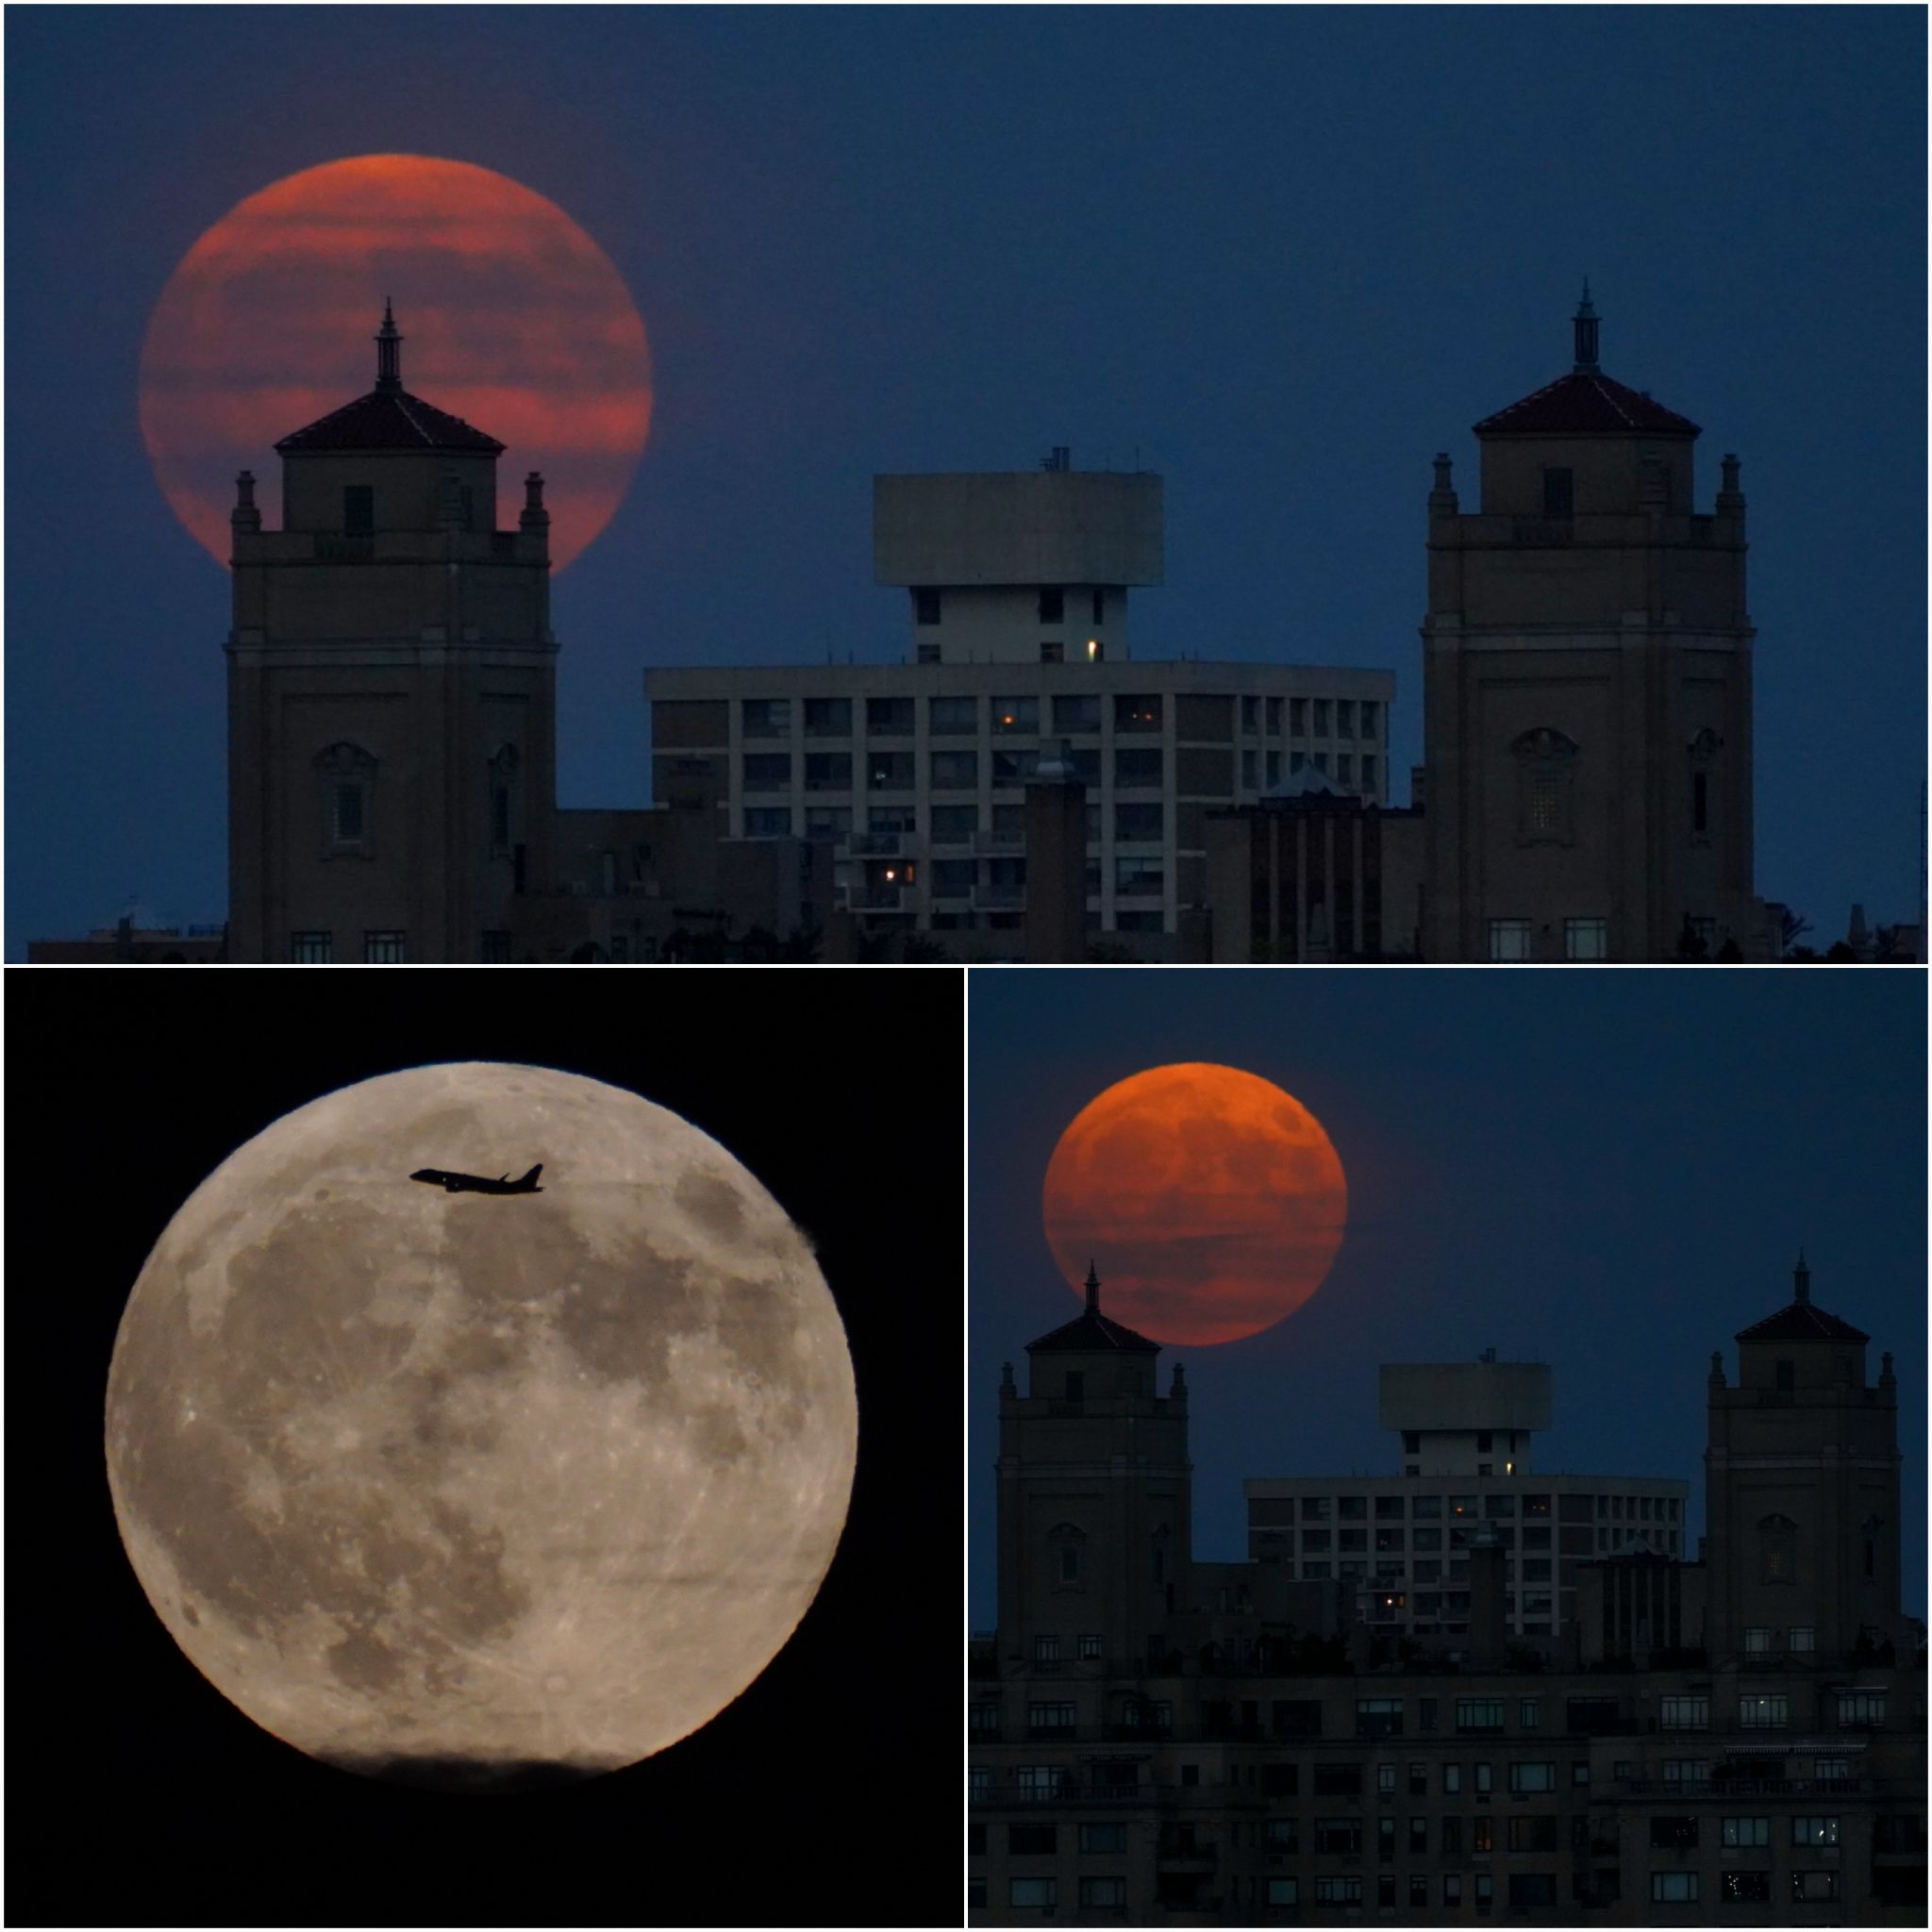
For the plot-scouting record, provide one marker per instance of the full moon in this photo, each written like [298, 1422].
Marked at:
[473, 1490]
[514, 318]
[1211, 1202]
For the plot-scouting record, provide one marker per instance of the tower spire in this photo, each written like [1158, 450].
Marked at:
[1093, 1290]
[389, 357]
[1801, 1279]
[1586, 320]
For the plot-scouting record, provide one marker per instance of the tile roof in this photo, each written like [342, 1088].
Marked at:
[1587, 402]
[1802, 1321]
[390, 420]
[1090, 1331]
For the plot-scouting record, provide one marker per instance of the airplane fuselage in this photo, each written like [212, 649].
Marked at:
[477, 1183]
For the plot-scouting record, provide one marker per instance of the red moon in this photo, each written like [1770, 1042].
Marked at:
[1209, 1202]
[512, 318]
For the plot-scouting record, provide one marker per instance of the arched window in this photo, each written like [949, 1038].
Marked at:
[502, 770]
[1702, 751]
[346, 784]
[1065, 1540]
[1777, 1548]
[1545, 787]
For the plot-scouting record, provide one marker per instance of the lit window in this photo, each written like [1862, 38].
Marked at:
[1674, 1888]
[1763, 1713]
[1814, 1831]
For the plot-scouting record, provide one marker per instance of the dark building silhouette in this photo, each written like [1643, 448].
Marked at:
[1738, 1739]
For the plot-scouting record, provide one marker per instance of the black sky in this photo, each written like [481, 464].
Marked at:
[194, 1815]
[1282, 254]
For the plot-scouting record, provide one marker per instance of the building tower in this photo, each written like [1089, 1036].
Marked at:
[1587, 688]
[1094, 1495]
[1801, 1481]
[391, 703]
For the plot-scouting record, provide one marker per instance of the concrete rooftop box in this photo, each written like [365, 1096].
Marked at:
[1024, 527]
[1465, 1396]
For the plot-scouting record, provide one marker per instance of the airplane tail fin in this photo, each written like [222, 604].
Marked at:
[529, 1180]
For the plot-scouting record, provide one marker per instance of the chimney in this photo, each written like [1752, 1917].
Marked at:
[1488, 1622]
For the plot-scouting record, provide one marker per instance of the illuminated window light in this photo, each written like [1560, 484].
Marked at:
[1092, 649]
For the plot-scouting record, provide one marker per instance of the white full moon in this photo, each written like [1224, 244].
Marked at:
[479, 1490]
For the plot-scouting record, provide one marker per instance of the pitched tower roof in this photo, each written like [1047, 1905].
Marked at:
[1799, 1321]
[1093, 1331]
[1586, 402]
[389, 417]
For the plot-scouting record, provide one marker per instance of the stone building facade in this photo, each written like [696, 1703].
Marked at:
[1587, 688]
[1157, 1740]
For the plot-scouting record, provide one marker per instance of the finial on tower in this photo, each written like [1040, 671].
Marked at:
[1586, 321]
[1801, 1279]
[1093, 1290]
[389, 357]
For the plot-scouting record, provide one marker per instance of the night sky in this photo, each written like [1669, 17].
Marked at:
[216, 1822]
[1281, 256]
[1610, 1171]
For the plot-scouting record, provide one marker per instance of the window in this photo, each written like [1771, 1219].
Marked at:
[1076, 714]
[1579, 1772]
[1033, 1894]
[1804, 1637]
[768, 770]
[1814, 1831]
[1037, 1782]
[1478, 1714]
[311, 948]
[1687, 1770]
[1452, 1891]
[1372, 723]
[383, 948]
[1384, 1838]
[1385, 1779]
[953, 824]
[1103, 1838]
[1139, 823]
[1508, 939]
[1764, 1713]
[359, 510]
[1102, 1892]
[1532, 1777]
[1280, 1835]
[1684, 1713]
[1829, 1769]
[829, 770]
[886, 771]
[1814, 1887]
[1351, 1539]
[1136, 768]
[1785, 1375]
[1333, 1835]
[1672, 1834]
[1452, 1780]
[1379, 1717]
[1050, 1717]
[1089, 1646]
[1586, 939]
[925, 606]
[1338, 1780]
[1860, 1707]
[1674, 1888]
[1744, 1831]
[1053, 606]
[767, 821]
[1482, 1777]
[1528, 1890]
[1012, 715]
[1032, 1840]
[1558, 493]
[1046, 1650]
[1284, 1891]
[1482, 1835]
[1744, 1888]
[888, 717]
[1757, 1641]
[953, 717]
[955, 770]
[1532, 1833]
[1337, 1891]
[828, 717]
[1137, 713]
[1139, 877]
[1700, 800]
[827, 821]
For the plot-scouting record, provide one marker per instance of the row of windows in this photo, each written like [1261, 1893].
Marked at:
[947, 771]
[1679, 1834]
[313, 948]
[1526, 1891]
[1072, 716]
[1743, 1887]
[1503, 1507]
[929, 602]
[1583, 939]
[1462, 1536]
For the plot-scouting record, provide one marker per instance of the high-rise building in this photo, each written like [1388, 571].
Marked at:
[1018, 594]
[1154, 1740]
[1587, 688]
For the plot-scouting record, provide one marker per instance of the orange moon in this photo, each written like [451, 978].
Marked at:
[512, 318]
[1210, 1203]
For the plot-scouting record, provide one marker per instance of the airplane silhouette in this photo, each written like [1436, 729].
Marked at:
[479, 1184]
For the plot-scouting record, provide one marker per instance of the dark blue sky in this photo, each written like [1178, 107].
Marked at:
[1284, 253]
[1608, 1171]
